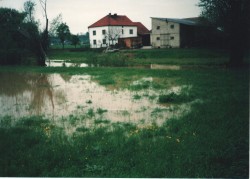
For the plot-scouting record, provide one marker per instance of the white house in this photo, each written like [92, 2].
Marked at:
[109, 29]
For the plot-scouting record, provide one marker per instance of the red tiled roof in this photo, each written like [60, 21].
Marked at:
[141, 29]
[113, 20]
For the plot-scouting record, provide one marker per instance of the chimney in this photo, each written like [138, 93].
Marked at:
[115, 14]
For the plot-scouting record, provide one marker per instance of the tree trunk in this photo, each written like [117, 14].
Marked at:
[46, 35]
[41, 56]
[237, 54]
[238, 34]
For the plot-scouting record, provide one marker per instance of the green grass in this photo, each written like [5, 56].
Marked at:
[68, 55]
[100, 111]
[210, 141]
[181, 96]
[143, 57]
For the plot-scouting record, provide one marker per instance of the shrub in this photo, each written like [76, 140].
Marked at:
[175, 98]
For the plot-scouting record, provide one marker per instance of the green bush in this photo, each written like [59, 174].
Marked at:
[175, 98]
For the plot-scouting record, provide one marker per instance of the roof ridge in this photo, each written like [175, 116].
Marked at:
[184, 21]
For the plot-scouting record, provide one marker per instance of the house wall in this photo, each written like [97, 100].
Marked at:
[114, 31]
[165, 34]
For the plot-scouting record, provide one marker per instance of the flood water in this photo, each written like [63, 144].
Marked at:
[59, 97]
[62, 63]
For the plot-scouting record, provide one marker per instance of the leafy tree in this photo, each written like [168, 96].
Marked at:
[11, 48]
[63, 33]
[75, 40]
[31, 32]
[19, 38]
[54, 25]
[32, 37]
[39, 42]
[29, 8]
[232, 16]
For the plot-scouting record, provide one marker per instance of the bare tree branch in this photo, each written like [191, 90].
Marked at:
[44, 6]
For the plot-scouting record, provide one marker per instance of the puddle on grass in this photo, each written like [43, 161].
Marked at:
[165, 67]
[62, 63]
[76, 101]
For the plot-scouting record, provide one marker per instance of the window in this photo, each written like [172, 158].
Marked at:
[122, 31]
[158, 27]
[131, 31]
[103, 32]
[157, 38]
[172, 38]
[103, 41]
[94, 32]
[172, 26]
[94, 42]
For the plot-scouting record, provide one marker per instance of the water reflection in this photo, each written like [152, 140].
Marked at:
[25, 94]
[41, 93]
[75, 101]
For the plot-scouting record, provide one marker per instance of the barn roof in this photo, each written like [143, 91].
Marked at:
[187, 21]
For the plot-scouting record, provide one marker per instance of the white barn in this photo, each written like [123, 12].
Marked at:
[172, 32]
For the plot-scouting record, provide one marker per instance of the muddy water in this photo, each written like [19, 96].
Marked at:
[59, 97]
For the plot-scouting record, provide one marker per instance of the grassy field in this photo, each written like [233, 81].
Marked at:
[143, 57]
[210, 141]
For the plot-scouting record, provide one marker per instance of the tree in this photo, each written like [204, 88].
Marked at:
[29, 8]
[75, 40]
[232, 16]
[11, 44]
[45, 33]
[31, 33]
[38, 41]
[113, 34]
[63, 33]
[54, 25]
[18, 38]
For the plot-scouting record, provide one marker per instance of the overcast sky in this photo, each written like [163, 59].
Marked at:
[79, 14]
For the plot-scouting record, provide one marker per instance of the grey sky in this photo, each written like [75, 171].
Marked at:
[79, 14]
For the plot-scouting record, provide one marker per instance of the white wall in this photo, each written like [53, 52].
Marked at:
[167, 34]
[119, 31]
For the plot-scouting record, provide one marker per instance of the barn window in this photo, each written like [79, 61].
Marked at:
[158, 27]
[103, 32]
[172, 26]
[157, 38]
[104, 41]
[122, 31]
[94, 32]
[94, 42]
[131, 31]
[172, 38]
